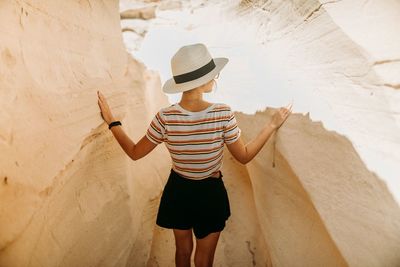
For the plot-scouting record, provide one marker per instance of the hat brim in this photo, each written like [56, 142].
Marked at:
[170, 87]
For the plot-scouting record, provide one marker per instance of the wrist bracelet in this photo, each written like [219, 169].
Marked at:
[114, 123]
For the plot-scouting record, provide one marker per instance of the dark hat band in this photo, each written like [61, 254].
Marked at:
[193, 75]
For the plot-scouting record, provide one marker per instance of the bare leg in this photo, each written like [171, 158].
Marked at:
[205, 249]
[184, 247]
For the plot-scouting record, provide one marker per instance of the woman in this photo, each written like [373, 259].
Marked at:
[194, 199]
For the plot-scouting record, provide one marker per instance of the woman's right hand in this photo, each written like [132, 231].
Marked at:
[280, 116]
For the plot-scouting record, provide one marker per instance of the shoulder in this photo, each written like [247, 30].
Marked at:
[224, 109]
[160, 114]
[168, 109]
[222, 106]
[167, 112]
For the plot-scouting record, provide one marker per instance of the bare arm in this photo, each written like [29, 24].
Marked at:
[134, 151]
[245, 153]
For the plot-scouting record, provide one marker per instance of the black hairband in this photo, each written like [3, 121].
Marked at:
[193, 75]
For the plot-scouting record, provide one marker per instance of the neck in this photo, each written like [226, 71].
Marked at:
[192, 97]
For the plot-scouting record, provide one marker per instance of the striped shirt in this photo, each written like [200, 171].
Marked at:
[195, 140]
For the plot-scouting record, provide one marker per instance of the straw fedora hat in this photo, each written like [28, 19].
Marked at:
[192, 66]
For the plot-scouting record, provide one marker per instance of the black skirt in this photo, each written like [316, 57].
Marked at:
[199, 204]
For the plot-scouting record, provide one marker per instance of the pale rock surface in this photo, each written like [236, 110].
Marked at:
[69, 196]
[170, 4]
[339, 67]
[139, 13]
[320, 205]
[137, 16]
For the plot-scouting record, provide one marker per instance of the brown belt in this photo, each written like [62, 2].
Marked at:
[219, 175]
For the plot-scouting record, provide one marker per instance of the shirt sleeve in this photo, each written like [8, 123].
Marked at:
[231, 130]
[156, 130]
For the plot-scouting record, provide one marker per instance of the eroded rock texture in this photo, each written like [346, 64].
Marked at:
[320, 202]
[69, 196]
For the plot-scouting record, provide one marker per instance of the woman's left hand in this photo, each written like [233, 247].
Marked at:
[105, 109]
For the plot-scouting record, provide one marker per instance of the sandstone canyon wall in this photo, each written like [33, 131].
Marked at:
[69, 196]
[321, 190]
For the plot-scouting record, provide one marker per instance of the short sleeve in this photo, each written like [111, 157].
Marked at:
[231, 130]
[156, 130]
